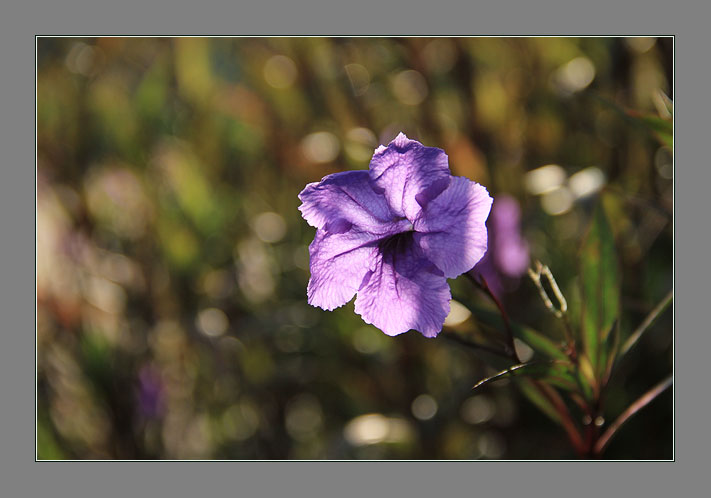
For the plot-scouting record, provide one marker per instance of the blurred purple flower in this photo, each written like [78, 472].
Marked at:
[507, 257]
[150, 392]
[393, 235]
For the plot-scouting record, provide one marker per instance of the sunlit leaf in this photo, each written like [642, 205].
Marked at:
[586, 376]
[600, 286]
[664, 104]
[538, 342]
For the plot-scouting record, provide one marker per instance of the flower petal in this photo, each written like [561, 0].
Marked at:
[404, 291]
[508, 248]
[451, 229]
[338, 263]
[345, 197]
[406, 168]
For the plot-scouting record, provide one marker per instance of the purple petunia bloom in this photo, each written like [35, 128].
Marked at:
[394, 235]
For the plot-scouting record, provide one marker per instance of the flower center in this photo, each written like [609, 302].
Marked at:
[397, 244]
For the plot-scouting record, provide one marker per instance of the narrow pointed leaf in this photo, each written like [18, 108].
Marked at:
[599, 274]
[648, 321]
[535, 369]
[586, 377]
[612, 349]
[661, 128]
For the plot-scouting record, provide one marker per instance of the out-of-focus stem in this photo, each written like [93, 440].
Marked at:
[568, 425]
[476, 345]
[632, 340]
[484, 286]
[643, 401]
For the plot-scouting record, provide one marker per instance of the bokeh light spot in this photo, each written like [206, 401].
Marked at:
[640, 44]
[543, 179]
[303, 416]
[410, 87]
[557, 201]
[478, 409]
[212, 322]
[664, 162]
[491, 445]
[360, 143]
[369, 340]
[575, 75]
[374, 428]
[280, 71]
[320, 147]
[359, 78]
[424, 407]
[240, 421]
[269, 227]
[586, 182]
[440, 55]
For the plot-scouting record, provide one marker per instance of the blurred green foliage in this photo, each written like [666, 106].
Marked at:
[172, 261]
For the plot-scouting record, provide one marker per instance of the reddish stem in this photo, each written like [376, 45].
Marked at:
[643, 401]
[484, 286]
[568, 425]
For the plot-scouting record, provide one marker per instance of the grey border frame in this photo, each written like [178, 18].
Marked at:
[686, 20]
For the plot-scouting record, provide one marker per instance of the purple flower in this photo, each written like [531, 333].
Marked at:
[150, 392]
[394, 235]
[507, 257]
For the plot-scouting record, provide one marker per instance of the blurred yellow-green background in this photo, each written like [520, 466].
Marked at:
[172, 261]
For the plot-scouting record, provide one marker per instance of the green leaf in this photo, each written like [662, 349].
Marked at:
[612, 348]
[662, 128]
[549, 401]
[536, 340]
[554, 371]
[48, 448]
[657, 124]
[600, 279]
[534, 396]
